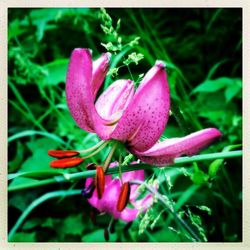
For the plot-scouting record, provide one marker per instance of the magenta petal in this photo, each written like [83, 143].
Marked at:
[79, 92]
[133, 175]
[100, 68]
[128, 214]
[110, 197]
[115, 99]
[166, 151]
[78, 88]
[95, 202]
[146, 116]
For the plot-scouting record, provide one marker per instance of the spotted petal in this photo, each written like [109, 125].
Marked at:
[166, 151]
[100, 68]
[79, 89]
[115, 99]
[146, 116]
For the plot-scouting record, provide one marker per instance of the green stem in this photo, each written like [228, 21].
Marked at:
[178, 219]
[37, 202]
[90, 173]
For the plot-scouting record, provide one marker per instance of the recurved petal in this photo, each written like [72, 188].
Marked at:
[110, 197]
[133, 175]
[79, 93]
[146, 115]
[128, 214]
[166, 151]
[100, 68]
[115, 99]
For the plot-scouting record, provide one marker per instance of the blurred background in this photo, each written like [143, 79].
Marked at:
[202, 49]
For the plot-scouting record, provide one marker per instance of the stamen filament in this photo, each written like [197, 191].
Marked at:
[109, 158]
[120, 168]
[98, 150]
[100, 143]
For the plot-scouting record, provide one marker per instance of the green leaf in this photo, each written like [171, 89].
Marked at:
[73, 224]
[32, 223]
[16, 162]
[49, 222]
[98, 236]
[233, 90]
[24, 237]
[15, 29]
[199, 177]
[214, 167]
[40, 174]
[213, 85]
[40, 159]
[21, 202]
[56, 71]
[216, 164]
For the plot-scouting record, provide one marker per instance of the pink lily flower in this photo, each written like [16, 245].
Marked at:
[109, 200]
[137, 119]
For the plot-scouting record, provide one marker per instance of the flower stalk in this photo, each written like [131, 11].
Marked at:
[115, 170]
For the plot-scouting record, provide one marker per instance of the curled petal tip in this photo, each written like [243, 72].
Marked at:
[216, 132]
[165, 152]
[160, 64]
[81, 50]
[108, 55]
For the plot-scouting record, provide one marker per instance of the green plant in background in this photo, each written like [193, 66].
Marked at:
[198, 193]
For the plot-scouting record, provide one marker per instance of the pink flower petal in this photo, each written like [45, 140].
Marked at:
[128, 214]
[115, 99]
[79, 93]
[133, 175]
[79, 90]
[110, 198]
[100, 68]
[95, 202]
[146, 116]
[166, 151]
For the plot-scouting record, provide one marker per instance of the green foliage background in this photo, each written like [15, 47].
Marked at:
[203, 52]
